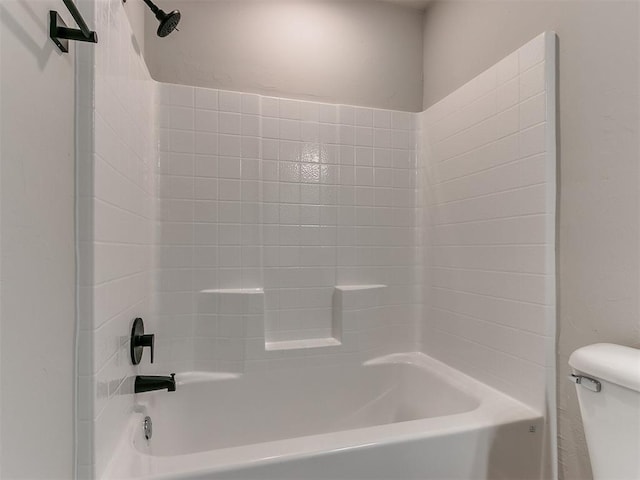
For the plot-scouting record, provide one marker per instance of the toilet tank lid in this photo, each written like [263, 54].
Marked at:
[613, 363]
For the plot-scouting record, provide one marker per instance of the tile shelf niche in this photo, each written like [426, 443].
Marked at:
[355, 313]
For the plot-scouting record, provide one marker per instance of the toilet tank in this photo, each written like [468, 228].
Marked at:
[611, 416]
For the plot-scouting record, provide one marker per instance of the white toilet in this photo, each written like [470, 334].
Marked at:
[607, 379]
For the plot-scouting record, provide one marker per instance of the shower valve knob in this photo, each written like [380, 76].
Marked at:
[139, 341]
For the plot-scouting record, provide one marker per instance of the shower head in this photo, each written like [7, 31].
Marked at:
[168, 21]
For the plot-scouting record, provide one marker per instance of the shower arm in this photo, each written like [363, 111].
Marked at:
[154, 8]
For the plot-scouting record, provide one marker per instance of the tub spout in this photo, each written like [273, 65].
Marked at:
[149, 383]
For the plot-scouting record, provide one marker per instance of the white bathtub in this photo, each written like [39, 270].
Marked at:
[402, 416]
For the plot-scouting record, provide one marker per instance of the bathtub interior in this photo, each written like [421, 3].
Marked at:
[268, 406]
[419, 419]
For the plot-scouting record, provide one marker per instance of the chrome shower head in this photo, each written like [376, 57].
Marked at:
[168, 21]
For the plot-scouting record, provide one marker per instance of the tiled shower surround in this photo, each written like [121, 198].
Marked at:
[292, 197]
[262, 233]
[487, 183]
[116, 185]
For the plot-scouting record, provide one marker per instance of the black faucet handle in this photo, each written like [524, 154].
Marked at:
[139, 341]
[146, 340]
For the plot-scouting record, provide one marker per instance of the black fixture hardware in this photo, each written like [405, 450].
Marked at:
[61, 34]
[149, 383]
[168, 21]
[139, 340]
[147, 427]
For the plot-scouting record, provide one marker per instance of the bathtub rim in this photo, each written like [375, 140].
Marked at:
[494, 409]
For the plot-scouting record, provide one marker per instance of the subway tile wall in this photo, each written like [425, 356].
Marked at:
[293, 197]
[487, 180]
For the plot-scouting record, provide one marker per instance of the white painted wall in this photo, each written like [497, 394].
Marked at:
[37, 253]
[351, 52]
[598, 160]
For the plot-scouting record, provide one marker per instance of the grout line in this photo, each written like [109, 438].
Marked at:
[497, 324]
[508, 272]
[484, 195]
[486, 295]
[493, 167]
[495, 219]
[488, 347]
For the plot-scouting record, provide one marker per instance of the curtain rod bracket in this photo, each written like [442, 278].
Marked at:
[61, 34]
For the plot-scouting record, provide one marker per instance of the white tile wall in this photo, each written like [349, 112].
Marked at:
[230, 333]
[239, 191]
[487, 179]
[293, 197]
[116, 196]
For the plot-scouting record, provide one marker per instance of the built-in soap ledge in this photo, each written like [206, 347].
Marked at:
[236, 291]
[359, 288]
[302, 343]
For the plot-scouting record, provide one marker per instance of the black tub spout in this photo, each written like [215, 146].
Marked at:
[149, 383]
